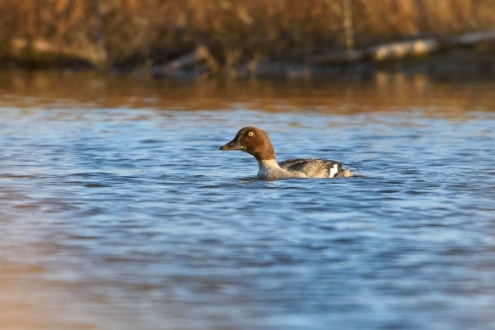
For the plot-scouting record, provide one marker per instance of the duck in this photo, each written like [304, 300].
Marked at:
[257, 143]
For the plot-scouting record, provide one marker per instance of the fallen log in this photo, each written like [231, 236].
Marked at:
[400, 50]
[474, 38]
[39, 48]
[199, 55]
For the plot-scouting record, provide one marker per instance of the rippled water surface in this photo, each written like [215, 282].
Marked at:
[118, 211]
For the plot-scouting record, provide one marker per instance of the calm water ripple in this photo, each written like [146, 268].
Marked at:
[123, 218]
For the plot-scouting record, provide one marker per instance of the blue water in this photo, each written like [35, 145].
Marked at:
[126, 218]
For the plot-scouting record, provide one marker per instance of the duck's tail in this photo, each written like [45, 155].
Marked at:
[345, 173]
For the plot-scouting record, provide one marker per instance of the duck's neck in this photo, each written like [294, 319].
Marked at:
[262, 151]
[269, 168]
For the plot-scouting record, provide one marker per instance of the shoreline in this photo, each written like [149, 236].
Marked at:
[451, 64]
[466, 54]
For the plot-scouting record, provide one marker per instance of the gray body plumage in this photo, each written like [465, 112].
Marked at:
[314, 168]
[299, 168]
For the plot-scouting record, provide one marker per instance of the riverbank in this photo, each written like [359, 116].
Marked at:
[234, 39]
[454, 64]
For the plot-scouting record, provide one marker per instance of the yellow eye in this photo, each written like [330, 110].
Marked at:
[250, 134]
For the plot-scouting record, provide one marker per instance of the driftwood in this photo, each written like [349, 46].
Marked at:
[93, 55]
[400, 50]
[199, 55]
[41, 47]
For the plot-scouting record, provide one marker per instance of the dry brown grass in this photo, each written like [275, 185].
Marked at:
[134, 32]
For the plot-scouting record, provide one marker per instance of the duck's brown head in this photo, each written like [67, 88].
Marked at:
[254, 141]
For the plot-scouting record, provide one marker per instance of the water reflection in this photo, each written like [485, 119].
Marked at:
[118, 211]
[383, 92]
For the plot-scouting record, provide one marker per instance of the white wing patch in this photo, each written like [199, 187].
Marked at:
[334, 170]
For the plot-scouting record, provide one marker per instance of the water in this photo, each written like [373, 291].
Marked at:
[118, 210]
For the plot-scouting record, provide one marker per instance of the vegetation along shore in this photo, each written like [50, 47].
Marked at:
[257, 38]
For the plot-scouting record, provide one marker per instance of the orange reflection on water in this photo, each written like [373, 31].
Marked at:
[344, 95]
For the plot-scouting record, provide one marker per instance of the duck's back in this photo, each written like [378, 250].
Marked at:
[314, 168]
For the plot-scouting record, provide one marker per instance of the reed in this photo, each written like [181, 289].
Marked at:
[133, 32]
